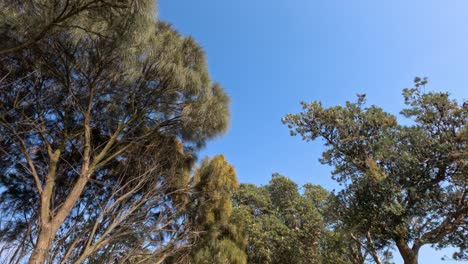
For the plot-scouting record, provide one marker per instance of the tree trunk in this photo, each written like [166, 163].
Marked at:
[48, 230]
[49, 225]
[44, 241]
[409, 255]
[411, 259]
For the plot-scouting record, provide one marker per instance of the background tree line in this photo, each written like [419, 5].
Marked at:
[103, 109]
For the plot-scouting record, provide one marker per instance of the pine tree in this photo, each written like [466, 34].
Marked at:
[25, 23]
[222, 238]
[75, 113]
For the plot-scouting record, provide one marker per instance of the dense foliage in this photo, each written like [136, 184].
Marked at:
[99, 132]
[222, 238]
[282, 225]
[405, 184]
[103, 109]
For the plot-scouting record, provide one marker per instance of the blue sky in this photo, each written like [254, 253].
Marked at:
[271, 54]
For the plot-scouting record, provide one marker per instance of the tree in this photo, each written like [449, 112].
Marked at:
[282, 225]
[348, 240]
[140, 215]
[74, 117]
[25, 23]
[404, 184]
[222, 236]
[335, 246]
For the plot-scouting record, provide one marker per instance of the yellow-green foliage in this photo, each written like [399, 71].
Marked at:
[216, 180]
[376, 173]
[223, 237]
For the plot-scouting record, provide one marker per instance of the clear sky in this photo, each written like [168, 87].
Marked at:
[271, 54]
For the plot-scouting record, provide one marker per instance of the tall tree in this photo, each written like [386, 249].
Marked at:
[74, 116]
[405, 184]
[222, 235]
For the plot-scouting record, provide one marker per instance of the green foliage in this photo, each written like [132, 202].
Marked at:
[102, 110]
[404, 184]
[222, 238]
[283, 226]
[318, 195]
[336, 248]
[99, 93]
[128, 23]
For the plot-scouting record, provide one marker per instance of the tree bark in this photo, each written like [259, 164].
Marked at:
[411, 258]
[47, 227]
[49, 224]
[44, 241]
[372, 249]
[409, 255]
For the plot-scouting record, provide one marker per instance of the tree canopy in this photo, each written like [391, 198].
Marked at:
[222, 238]
[282, 225]
[404, 184]
[92, 140]
[104, 109]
